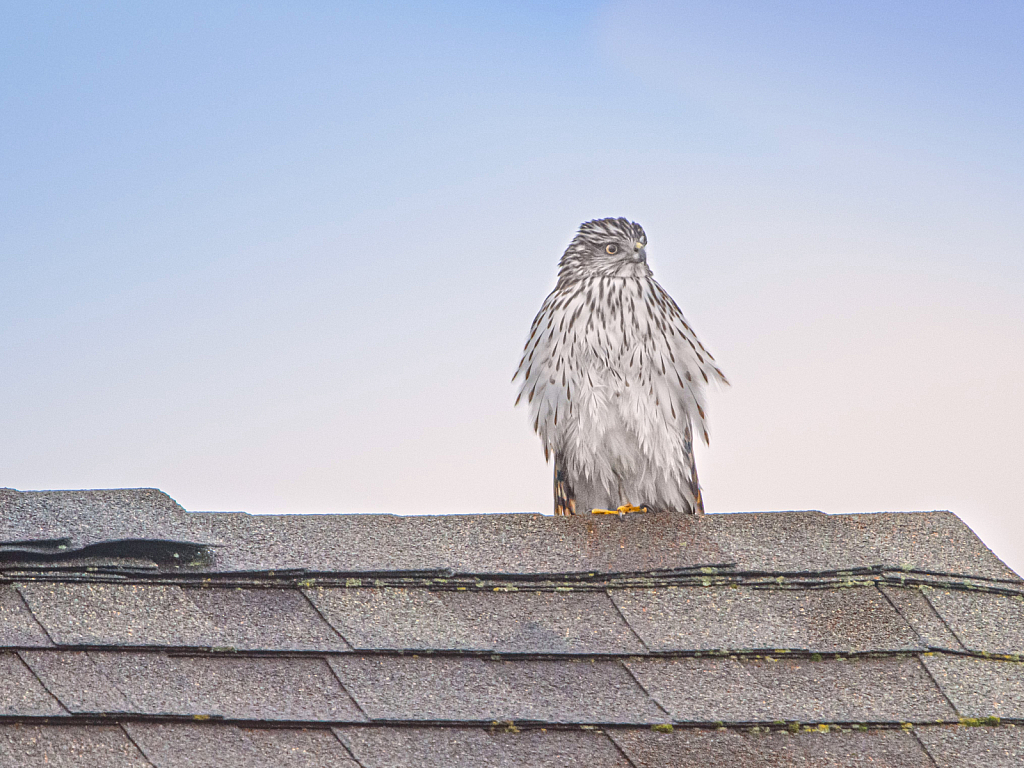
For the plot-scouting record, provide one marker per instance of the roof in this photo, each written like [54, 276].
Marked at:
[134, 633]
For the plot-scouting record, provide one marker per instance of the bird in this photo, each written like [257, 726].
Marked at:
[616, 380]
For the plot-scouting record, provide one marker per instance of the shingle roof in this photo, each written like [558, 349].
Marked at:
[133, 633]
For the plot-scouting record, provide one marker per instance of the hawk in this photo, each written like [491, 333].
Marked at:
[615, 379]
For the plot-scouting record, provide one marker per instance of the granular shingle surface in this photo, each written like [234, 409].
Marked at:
[698, 748]
[133, 633]
[21, 693]
[702, 690]
[980, 688]
[915, 609]
[932, 542]
[797, 542]
[975, 747]
[18, 627]
[420, 688]
[79, 685]
[65, 521]
[243, 688]
[746, 618]
[479, 748]
[265, 620]
[23, 745]
[118, 614]
[189, 745]
[462, 544]
[577, 622]
[983, 621]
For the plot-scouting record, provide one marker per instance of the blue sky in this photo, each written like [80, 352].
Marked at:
[282, 257]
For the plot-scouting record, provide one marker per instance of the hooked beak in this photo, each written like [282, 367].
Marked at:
[639, 252]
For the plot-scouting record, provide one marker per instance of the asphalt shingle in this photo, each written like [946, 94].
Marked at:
[77, 683]
[265, 619]
[67, 746]
[504, 622]
[698, 748]
[980, 688]
[788, 542]
[119, 614]
[95, 559]
[861, 690]
[243, 688]
[21, 694]
[526, 665]
[803, 542]
[18, 628]
[845, 620]
[63, 521]
[932, 542]
[954, 746]
[914, 607]
[189, 745]
[520, 544]
[167, 616]
[474, 690]
[983, 621]
[479, 748]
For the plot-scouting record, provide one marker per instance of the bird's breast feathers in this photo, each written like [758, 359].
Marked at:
[608, 354]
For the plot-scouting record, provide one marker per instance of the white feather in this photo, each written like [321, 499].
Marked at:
[614, 377]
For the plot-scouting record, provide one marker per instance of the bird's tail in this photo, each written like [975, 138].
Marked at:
[697, 503]
[565, 499]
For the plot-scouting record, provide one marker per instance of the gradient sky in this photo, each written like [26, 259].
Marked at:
[282, 257]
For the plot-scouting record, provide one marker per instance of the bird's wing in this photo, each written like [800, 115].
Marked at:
[546, 381]
[678, 368]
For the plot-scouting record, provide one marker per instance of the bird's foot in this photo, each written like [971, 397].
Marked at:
[624, 509]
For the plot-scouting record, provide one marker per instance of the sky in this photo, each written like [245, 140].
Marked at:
[282, 257]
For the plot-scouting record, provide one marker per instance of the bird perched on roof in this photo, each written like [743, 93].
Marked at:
[615, 379]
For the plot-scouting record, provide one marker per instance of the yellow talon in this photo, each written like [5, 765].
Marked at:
[620, 511]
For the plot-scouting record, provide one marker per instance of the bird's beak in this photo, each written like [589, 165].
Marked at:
[639, 252]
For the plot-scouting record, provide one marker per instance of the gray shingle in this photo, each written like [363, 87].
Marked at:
[982, 620]
[18, 629]
[93, 559]
[474, 690]
[470, 544]
[954, 746]
[538, 544]
[188, 745]
[479, 748]
[241, 688]
[64, 521]
[799, 542]
[788, 542]
[859, 690]
[697, 748]
[934, 542]
[707, 690]
[980, 687]
[67, 746]
[140, 615]
[918, 612]
[265, 620]
[504, 622]
[118, 614]
[77, 683]
[724, 618]
[21, 694]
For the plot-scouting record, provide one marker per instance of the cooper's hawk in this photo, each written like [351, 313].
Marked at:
[615, 379]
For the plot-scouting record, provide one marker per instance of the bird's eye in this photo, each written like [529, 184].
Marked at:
[611, 249]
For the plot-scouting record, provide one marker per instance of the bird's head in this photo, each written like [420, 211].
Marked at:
[606, 248]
